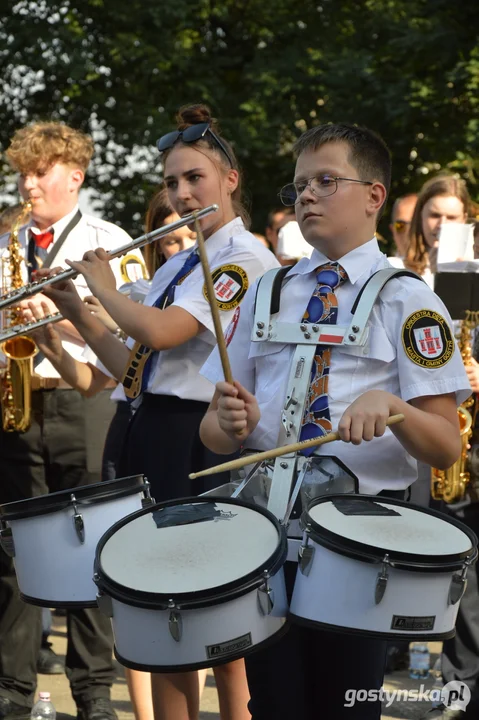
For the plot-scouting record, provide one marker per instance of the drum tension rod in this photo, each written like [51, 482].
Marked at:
[175, 622]
[382, 580]
[306, 553]
[104, 602]
[458, 584]
[78, 523]
[266, 595]
[147, 500]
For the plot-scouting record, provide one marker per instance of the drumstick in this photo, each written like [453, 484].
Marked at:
[225, 363]
[276, 452]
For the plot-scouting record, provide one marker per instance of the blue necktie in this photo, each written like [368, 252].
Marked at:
[322, 309]
[140, 363]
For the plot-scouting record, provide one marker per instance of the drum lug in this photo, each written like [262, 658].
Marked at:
[382, 581]
[78, 523]
[458, 584]
[147, 500]
[175, 622]
[306, 555]
[105, 604]
[456, 589]
[266, 596]
[6, 540]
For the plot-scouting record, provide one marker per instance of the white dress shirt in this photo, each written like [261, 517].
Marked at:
[263, 367]
[89, 233]
[176, 371]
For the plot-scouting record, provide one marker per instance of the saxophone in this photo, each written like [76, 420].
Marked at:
[450, 485]
[16, 377]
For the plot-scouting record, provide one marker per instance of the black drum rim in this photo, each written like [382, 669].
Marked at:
[415, 562]
[191, 599]
[84, 495]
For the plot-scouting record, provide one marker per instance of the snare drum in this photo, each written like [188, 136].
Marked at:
[381, 567]
[192, 583]
[53, 538]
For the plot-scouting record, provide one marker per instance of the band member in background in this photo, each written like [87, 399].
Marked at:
[341, 182]
[175, 322]
[158, 252]
[291, 244]
[443, 199]
[63, 446]
[401, 216]
[276, 219]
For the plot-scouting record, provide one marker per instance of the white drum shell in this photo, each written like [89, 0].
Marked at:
[339, 591]
[52, 566]
[143, 639]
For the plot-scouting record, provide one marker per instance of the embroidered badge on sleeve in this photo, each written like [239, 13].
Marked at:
[230, 283]
[427, 339]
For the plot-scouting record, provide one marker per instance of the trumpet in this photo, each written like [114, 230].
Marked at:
[15, 296]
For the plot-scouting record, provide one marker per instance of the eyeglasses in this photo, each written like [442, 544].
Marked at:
[401, 226]
[192, 134]
[321, 185]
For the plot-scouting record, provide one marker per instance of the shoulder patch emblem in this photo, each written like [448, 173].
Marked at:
[231, 329]
[427, 339]
[230, 283]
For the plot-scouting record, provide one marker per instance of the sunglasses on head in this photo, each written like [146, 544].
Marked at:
[192, 134]
[401, 226]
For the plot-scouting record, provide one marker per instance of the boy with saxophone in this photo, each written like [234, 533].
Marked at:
[60, 445]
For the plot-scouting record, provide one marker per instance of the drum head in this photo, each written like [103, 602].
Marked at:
[188, 547]
[389, 526]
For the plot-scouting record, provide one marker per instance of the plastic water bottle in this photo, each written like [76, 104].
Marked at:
[43, 708]
[419, 661]
[438, 684]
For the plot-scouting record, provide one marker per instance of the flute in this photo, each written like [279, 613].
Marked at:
[26, 291]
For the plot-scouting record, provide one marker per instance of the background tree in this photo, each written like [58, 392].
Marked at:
[119, 69]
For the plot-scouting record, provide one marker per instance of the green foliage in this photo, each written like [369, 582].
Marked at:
[407, 68]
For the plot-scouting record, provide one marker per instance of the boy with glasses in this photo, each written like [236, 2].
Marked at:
[341, 182]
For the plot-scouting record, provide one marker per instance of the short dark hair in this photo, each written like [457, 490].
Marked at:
[368, 152]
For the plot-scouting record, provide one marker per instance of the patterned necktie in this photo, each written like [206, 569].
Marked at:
[140, 362]
[322, 309]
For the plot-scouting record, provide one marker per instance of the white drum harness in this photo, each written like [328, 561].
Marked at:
[306, 337]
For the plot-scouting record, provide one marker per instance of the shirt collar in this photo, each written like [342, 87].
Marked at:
[57, 227]
[356, 262]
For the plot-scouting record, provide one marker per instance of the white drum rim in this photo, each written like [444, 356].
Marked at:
[190, 600]
[84, 495]
[369, 553]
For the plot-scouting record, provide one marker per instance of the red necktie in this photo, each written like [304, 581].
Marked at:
[43, 240]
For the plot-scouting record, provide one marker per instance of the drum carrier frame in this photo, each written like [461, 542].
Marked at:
[306, 337]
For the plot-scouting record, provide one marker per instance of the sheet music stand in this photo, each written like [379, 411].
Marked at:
[458, 291]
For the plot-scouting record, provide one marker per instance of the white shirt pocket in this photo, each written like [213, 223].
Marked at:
[354, 371]
[272, 361]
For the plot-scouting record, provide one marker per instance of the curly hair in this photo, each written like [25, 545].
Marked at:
[37, 147]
